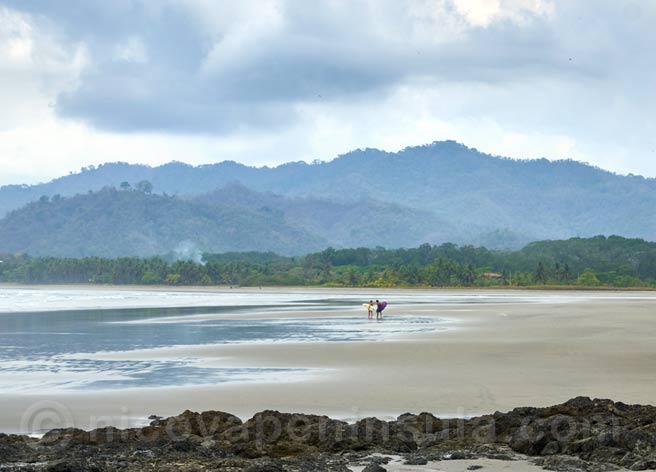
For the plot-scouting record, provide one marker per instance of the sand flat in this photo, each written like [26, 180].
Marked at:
[492, 357]
[489, 465]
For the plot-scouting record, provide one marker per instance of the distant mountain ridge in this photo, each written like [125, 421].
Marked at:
[449, 191]
[114, 223]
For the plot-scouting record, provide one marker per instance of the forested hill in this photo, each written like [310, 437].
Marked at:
[485, 200]
[114, 223]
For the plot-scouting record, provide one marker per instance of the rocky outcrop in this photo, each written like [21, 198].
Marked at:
[581, 434]
[599, 431]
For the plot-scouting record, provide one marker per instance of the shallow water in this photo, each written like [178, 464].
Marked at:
[53, 348]
[50, 299]
[50, 338]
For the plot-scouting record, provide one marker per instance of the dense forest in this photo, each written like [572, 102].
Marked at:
[591, 262]
[131, 221]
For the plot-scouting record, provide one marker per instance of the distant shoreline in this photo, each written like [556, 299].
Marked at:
[248, 288]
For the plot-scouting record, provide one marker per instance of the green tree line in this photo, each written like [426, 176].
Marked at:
[590, 262]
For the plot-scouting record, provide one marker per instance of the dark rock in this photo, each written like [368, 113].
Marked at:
[416, 460]
[421, 424]
[267, 467]
[156, 420]
[499, 457]
[189, 423]
[457, 455]
[550, 449]
[590, 435]
[69, 466]
[371, 432]
[379, 460]
[374, 468]
[573, 464]
[183, 445]
[61, 435]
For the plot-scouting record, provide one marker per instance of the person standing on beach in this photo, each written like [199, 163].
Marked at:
[380, 306]
[371, 309]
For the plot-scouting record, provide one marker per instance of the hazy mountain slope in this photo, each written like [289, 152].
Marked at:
[361, 222]
[118, 223]
[476, 194]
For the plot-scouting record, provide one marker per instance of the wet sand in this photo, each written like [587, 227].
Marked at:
[492, 357]
[489, 465]
[486, 465]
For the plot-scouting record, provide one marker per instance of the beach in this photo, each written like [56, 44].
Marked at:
[485, 357]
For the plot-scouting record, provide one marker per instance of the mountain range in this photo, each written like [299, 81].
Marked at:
[114, 223]
[441, 192]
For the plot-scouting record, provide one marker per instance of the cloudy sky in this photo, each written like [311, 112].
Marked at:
[269, 81]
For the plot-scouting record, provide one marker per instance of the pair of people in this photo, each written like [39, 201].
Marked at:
[378, 308]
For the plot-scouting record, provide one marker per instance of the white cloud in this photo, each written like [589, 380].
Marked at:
[405, 118]
[15, 40]
[132, 49]
[484, 12]
[269, 82]
[34, 69]
[478, 12]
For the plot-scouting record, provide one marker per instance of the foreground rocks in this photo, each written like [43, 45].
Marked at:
[579, 435]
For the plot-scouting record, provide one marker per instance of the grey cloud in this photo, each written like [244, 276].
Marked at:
[136, 97]
[195, 81]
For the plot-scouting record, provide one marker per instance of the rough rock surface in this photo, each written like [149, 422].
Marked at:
[579, 435]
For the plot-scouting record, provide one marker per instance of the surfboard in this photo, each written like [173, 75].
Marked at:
[366, 306]
[384, 305]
